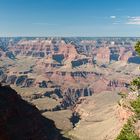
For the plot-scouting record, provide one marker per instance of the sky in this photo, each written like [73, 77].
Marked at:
[70, 18]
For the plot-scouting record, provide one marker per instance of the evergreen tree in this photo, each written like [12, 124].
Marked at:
[135, 84]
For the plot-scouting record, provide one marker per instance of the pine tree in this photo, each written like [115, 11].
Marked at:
[135, 84]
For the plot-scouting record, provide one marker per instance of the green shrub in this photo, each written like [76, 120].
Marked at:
[137, 47]
[127, 132]
[136, 106]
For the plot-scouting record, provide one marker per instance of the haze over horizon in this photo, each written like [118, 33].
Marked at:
[98, 18]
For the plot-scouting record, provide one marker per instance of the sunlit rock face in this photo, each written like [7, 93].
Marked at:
[103, 55]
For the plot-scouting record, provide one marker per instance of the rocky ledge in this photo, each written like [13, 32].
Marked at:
[20, 120]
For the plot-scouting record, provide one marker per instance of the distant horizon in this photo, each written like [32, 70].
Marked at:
[70, 36]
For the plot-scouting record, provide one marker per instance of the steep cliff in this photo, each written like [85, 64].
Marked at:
[20, 120]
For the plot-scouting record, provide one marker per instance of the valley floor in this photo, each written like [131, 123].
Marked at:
[99, 120]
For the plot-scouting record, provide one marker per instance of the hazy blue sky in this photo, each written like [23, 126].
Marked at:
[69, 17]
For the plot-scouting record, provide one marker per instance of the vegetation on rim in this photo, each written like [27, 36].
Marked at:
[128, 130]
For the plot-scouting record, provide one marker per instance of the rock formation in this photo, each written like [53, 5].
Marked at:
[103, 55]
[20, 120]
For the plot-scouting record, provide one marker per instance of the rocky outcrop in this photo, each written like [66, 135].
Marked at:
[68, 97]
[103, 55]
[125, 56]
[10, 55]
[79, 62]
[11, 79]
[20, 120]
[29, 82]
[117, 83]
[3, 76]
[71, 96]
[22, 80]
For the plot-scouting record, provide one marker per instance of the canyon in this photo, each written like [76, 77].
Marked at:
[72, 80]
[20, 120]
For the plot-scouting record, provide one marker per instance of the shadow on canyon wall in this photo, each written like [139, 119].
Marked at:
[20, 120]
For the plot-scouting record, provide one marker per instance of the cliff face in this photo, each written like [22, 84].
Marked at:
[103, 55]
[20, 120]
[101, 117]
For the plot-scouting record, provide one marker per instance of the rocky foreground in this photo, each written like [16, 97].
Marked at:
[102, 117]
[20, 120]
